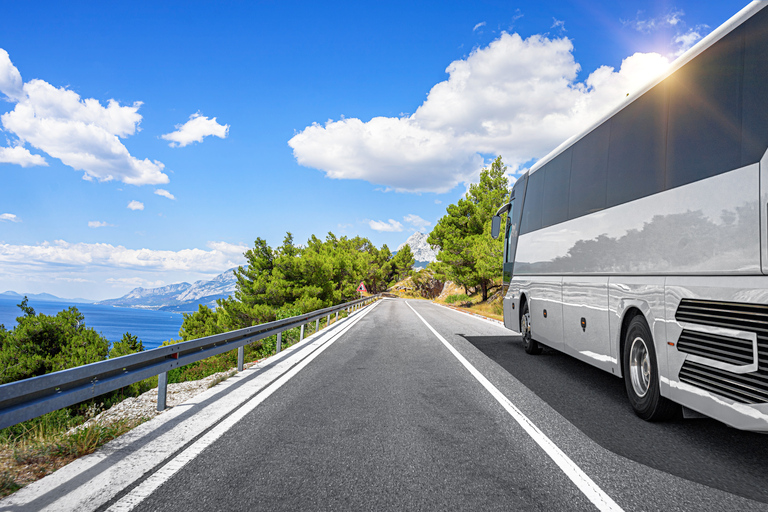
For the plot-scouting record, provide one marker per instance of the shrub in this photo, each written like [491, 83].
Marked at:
[461, 297]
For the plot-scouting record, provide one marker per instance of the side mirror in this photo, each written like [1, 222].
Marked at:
[495, 226]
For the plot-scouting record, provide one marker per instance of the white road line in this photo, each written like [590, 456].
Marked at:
[585, 484]
[151, 484]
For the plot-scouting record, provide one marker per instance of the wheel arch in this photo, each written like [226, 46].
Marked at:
[630, 313]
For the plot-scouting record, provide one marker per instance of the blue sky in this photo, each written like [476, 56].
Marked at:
[200, 126]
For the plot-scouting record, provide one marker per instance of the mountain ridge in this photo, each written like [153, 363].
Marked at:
[179, 296]
[423, 253]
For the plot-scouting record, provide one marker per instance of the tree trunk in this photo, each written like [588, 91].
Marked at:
[485, 291]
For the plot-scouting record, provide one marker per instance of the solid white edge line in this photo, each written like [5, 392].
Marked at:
[151, 484]
[585, 484]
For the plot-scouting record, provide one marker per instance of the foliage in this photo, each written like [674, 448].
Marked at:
[291, 280]
[41, 344]
[461, 297]
[129, 344]
[468, 255]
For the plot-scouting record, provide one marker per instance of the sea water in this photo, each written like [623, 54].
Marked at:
[151, 327]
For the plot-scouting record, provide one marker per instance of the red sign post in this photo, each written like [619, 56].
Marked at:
[361, 288]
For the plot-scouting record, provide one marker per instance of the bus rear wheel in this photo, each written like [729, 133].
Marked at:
[641, 374]
[531, 346]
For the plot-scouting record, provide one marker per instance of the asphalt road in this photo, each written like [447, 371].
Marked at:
[388, 419]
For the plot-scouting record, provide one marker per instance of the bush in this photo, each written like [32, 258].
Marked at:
[461, 297]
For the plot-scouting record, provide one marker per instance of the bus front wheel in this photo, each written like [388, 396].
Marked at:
[531, 346]
[641, 374]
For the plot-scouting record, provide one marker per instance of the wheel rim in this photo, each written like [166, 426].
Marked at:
[526, 327]
[640, 367]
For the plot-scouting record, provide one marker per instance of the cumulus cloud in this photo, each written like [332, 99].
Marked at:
[82, 133]
[164, 193]
[21, 156]
[195, 130]
[220, 257]
[97, 224]
[135, 205]
[416, 221]
[391, 226]
[10, 78]
[9, 217]
[516, 97]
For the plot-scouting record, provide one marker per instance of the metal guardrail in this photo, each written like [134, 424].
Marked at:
[29, 398]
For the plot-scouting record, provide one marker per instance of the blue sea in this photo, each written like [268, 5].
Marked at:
[151, 327]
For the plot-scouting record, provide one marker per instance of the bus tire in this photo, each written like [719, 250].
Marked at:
[641, 374]
[531, 346]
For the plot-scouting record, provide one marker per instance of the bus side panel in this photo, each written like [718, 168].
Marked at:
[717, 306]
[763, 205]
[545, 300]
[585, 321]
[512, 303]
[646, 294]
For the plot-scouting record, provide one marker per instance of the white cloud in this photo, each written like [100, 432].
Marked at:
[135, 205]
[686, 40]
[391, 226]
[437, 201]
[164, 193]
[10, 78]
[195, 130]
[648, 25]
[21, 156]
[416, 221]
[81, 133]
[119, 282]
[559, 24]
[97, 224]
[479, 25]
[220, 257]
[9, 217]
[516, 97]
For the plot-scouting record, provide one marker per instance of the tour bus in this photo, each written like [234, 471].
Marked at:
[640, 246]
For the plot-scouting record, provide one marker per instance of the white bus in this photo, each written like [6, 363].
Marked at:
[641, 245]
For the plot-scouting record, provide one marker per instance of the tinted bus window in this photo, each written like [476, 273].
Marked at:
[754, 134]
[704, 128]
[588, 172]
[636, 157]
[533, 202]
[557, 180]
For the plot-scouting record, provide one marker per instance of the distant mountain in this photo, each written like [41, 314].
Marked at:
[43, 297]
[179, 296]
[423, 253]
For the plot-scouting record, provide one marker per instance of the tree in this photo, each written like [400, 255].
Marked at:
[128, 344]
[41, 344]
[468, 255]
[295, 278]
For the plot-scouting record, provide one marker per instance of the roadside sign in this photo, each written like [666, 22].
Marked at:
[361, 288]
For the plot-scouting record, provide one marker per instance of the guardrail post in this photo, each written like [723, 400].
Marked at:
[240, 358]
[328, 320]
[301, 336]
[317, 325]
[337, 317]
[162, 390]
[279, 345]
